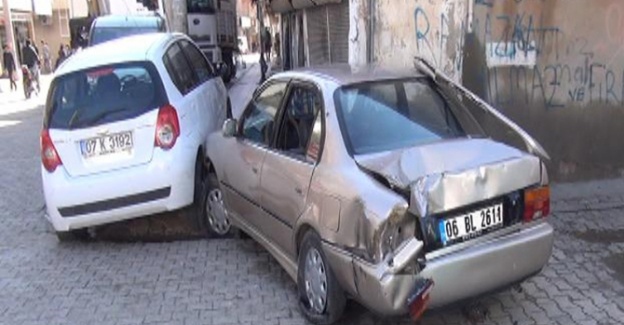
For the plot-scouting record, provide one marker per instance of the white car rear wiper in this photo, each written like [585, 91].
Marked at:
[101, 116]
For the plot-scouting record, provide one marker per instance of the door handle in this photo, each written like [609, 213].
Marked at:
[254, 170]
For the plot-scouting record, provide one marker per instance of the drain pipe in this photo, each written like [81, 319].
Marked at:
[370, 37]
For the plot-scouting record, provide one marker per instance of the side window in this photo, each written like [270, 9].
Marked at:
[298, 122]
[179, 69]
[203, 70]
[258, 123]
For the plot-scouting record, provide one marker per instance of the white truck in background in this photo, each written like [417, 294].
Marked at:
[212, 25]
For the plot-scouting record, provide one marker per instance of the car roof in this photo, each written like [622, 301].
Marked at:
[126, 49]
[345, 74]
[127, 21]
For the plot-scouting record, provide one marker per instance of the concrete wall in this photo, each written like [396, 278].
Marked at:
[556, 67]
[175, 10]
[431, 29]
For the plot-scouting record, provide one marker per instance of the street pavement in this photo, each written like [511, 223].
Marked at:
[235, 281]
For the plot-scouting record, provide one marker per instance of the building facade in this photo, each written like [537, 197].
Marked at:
[42, 20]
[312, 32]
[554, 68]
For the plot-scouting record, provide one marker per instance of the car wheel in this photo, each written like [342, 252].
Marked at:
[214, 211]
[73, 235]
[321, 299]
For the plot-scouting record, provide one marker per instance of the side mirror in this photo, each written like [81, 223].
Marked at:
[229, 128]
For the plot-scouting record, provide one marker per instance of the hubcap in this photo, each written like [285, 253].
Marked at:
[216, 212]
[315, 281]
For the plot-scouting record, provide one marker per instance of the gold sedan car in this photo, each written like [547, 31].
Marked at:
[381, 187]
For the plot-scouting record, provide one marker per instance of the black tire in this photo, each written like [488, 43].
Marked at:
[213, 229]
[73, 235]
[335, 297]
[198, 193]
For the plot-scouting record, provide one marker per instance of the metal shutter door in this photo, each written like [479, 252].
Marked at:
[339, 32]
[318, 44]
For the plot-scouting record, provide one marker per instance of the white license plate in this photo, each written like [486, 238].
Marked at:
[106, 145]
[471, 224]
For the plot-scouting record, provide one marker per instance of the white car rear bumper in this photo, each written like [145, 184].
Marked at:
[165, 183]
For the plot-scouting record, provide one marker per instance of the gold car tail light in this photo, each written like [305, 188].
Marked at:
[536, 203]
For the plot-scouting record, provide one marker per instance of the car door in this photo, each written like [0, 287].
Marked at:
[186, 82]
[243, 166]
[289, 164]
[209, 97]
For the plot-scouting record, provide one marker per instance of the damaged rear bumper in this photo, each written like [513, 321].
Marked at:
[462, 274]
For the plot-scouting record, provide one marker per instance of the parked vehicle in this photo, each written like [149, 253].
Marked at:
[213, 26]
[381, 186]
[125, 130]
[107, 28]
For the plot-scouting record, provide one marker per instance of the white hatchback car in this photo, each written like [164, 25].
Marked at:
[125, 129]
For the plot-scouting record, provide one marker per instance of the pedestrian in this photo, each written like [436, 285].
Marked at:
[9, 65]
[31, 60]
[267, 43]
[47, 58]
[63, 53]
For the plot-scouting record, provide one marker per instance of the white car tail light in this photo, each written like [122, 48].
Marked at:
[167, 127]
[49, 155]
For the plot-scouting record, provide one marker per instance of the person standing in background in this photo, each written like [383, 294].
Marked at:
[62, 55]
[31, 59]
[9, 65]
[47, 58]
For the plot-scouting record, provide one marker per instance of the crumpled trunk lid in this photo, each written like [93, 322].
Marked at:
[446, 175]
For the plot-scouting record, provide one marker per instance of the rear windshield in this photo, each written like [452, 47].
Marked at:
[393, 114]
[103, 95]
[105, 34]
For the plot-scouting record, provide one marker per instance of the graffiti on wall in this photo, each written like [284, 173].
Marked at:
[427, 28]
[532, 60]
[439, 38]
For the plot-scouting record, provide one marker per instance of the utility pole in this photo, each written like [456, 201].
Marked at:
[8, 31]
[263, 63]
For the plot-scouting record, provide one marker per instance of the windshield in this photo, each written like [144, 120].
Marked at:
[105, 34]
[394, 114]
[103, 95]
[200, 6]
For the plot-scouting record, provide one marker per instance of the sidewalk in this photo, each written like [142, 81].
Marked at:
[241, 89]
[15, 101]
